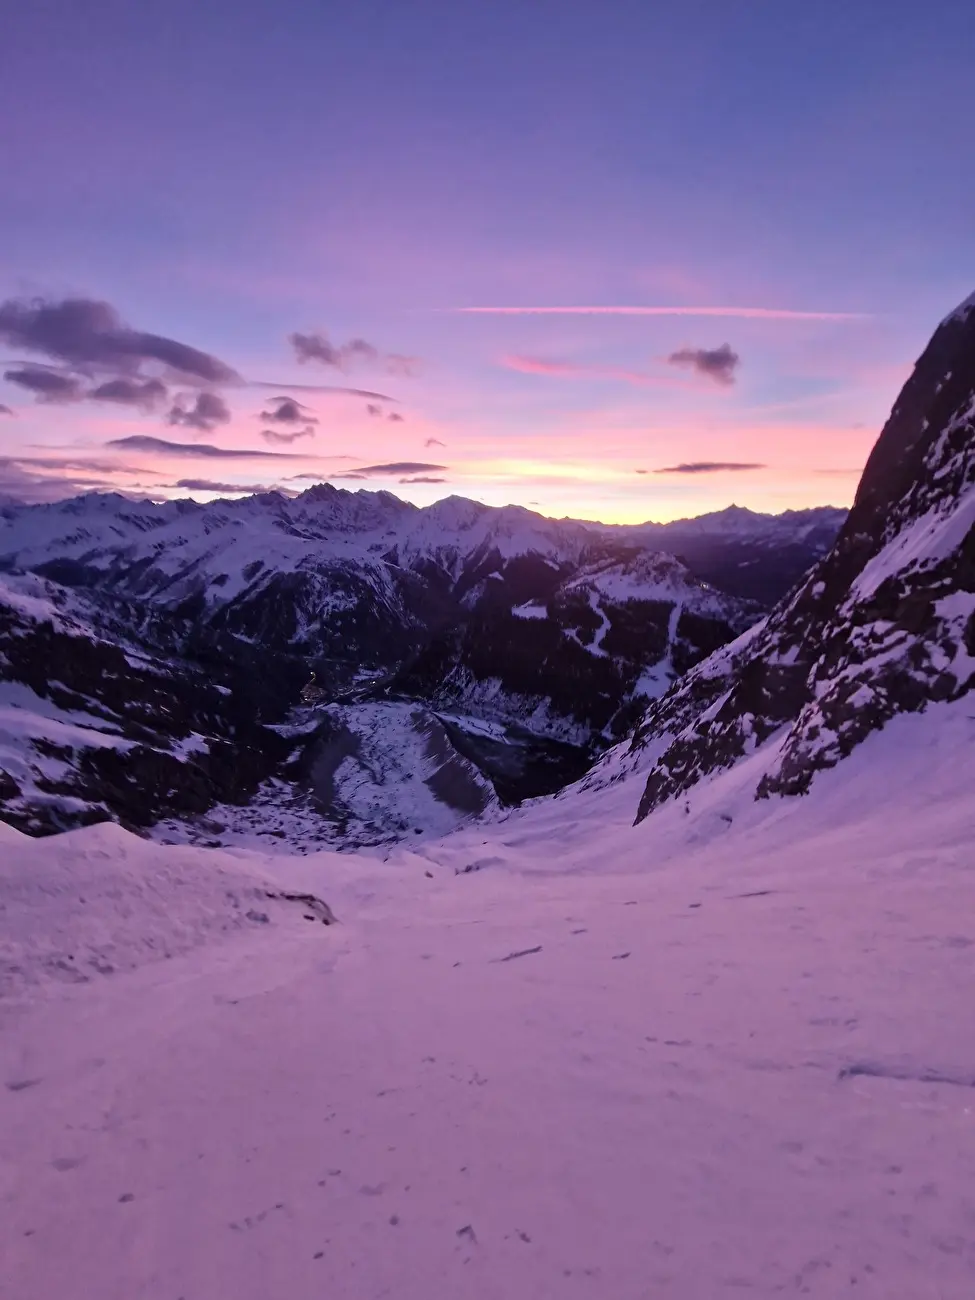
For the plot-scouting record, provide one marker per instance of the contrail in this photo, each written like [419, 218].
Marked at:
[745, 313]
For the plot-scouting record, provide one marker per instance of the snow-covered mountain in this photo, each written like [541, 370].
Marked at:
[530, 643]
[883, 624]
[332, 570]
[759, 557]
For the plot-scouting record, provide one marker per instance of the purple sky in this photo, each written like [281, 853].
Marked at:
[307, 194]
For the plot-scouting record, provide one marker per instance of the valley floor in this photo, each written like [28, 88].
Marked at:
[729, 1051]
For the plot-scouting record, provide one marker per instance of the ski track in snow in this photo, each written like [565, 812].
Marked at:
[734, 1054]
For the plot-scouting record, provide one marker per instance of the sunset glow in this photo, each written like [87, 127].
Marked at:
[463, 280]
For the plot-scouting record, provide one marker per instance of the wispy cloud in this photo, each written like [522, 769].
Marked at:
[423, 478]
[145, 442]
[83, 464]
[401, 467]
[47, 384]
[707, 467]
[286, 439]
[19, 481]
[741, 313]
[224, 489]
[5, 410]
[576, 370]
[318, 347]
[376, 412]
[59, 384]
[313, 476]
[718, 364]
[399, 364]
[325, 389]
[434, 442]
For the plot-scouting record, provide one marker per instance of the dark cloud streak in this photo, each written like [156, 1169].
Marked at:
[325, 389]
[401, 467]
[47, 385]
[144, 442]
[145, 394]
[225, 489]
[707, 467]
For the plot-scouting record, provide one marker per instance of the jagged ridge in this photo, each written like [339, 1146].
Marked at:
[883, 624]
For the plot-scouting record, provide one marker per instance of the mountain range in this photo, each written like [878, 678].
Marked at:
[511, 647]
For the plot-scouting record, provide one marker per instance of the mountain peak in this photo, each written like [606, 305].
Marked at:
[962, 311]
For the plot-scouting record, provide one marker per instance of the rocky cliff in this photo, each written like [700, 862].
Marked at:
[884, 623]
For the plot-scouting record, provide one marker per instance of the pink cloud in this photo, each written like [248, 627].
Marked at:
[573, 370]
[742, 313]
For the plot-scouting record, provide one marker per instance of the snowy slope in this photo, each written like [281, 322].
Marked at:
[684, 1059]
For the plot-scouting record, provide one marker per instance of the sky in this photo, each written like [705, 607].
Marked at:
[621, 262]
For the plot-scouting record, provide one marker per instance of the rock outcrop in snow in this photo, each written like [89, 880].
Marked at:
[92, 728]
[885, 623]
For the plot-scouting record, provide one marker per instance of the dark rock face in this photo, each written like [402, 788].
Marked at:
[882, 625]
[581, 656]
[142, 741]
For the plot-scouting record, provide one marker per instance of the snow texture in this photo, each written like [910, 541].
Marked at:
[727, 1051]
